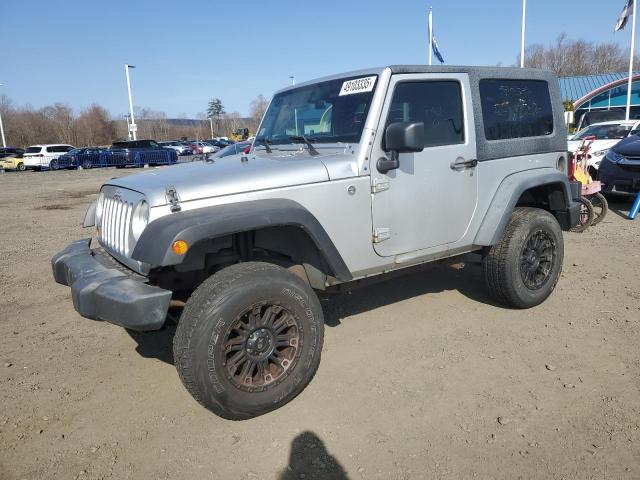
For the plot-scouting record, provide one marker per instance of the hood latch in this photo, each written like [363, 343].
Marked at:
[172, 197]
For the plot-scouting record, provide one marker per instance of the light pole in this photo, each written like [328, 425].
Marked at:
[211, 125]
[293, 79]
[524, 24]
[126, 117]
[132, 127]
[4, 141]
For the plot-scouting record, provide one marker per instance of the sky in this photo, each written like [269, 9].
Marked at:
[189, 51]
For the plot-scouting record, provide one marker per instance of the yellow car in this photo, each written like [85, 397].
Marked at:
[13, 162]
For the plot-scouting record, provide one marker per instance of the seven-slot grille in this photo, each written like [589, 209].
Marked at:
[114, 231]
[116, 224]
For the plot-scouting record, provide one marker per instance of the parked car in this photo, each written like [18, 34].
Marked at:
[13, 162]
[200, 147]
[141, 152]
[620, 168]
[606, 134]
[87, 157]
[232, 149]
[40, 157]
[10, 151]
[455, 164]
[179, 147]
[213, 145]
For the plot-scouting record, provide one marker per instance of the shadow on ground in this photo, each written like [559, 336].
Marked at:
[309, 459]
[464, 277]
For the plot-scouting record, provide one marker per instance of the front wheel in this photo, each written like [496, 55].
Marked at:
[53, 165]
[21, 167]
[586, 217]
[249, 340]
[87, 164]
[522, 269]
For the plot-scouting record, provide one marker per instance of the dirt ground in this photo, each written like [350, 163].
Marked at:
[422, 376]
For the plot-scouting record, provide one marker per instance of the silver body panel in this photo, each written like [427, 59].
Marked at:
[430, 210]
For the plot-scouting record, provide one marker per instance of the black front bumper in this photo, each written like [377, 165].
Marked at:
[104, 292]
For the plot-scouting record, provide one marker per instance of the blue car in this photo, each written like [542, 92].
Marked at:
[87, 157]
[620, 168]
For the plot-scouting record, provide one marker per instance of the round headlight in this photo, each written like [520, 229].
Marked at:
[99, 208]
[139, 219]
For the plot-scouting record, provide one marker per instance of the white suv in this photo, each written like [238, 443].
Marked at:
[38, 157]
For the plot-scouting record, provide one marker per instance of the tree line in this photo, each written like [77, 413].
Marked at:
[94, 126]
[567, 57]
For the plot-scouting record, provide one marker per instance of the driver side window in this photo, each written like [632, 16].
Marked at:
[438, 104]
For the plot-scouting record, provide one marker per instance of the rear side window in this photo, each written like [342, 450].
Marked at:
[33, 150]
[515, 108]
[438, 104]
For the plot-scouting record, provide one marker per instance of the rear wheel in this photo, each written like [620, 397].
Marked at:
[20, 167]
[522, 269]
[586, 216]
[249, 340]
[600, 207]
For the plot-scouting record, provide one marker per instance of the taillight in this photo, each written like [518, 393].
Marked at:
[246, 149]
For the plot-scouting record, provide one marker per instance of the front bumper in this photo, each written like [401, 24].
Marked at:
[105, 292]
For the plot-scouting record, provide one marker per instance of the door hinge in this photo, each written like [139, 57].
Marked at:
[381, 234]
[379, 186]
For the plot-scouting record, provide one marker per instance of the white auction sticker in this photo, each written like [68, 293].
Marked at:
[358, 85]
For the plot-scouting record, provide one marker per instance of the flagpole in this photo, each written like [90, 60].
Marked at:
[633, 48]
[524, 22]
[430, 34]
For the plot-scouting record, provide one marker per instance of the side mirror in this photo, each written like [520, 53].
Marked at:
[401, 137]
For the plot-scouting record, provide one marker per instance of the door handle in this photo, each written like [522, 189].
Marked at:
[460, 163]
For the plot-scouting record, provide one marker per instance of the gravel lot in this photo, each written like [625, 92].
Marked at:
[421, 376]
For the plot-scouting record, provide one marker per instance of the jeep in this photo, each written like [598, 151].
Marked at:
[349, 177]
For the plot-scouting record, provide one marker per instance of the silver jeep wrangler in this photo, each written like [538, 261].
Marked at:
[350, 176]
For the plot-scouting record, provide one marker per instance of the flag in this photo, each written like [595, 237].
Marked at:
[436, 52]
[627, 11]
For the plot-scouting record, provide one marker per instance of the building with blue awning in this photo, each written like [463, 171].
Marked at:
[598, 98]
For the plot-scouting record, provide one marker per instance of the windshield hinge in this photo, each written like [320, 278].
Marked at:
[381, 234]
[379, 186]
[172, 197]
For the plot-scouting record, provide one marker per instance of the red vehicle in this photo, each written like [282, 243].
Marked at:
[195, 148]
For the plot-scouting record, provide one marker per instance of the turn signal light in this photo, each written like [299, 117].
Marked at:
[180, 247]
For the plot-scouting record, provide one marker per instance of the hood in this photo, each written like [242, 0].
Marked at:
[629, 147]
[225, 176]
[595, 145]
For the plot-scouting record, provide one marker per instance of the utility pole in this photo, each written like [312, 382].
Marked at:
[132, 127]
[633, 49]
[4, 140]
[524, 23]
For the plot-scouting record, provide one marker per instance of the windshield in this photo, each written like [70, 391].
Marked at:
[328, 112]
[604, 132]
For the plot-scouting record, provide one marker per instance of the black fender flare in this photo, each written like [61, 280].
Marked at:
[507, 195]
[154, 245]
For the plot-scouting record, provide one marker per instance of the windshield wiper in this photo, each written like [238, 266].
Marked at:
[306, 141]
[265, 142]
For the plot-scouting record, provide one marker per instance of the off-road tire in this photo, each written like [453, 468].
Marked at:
[600, 207]
[586, 217]
[210, 314]
[504, 263]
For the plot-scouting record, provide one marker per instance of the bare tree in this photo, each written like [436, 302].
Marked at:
[577, 57]
[257, 107]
